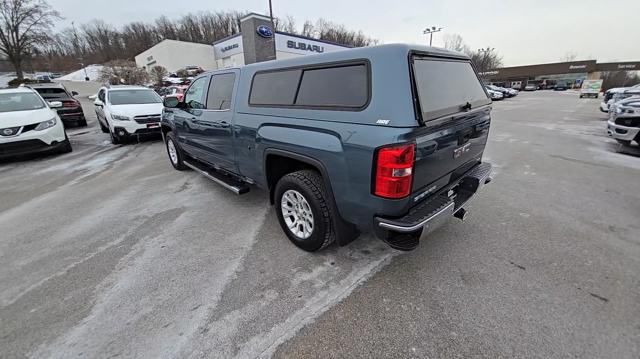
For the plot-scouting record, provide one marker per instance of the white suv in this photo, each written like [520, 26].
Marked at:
[29, 124]
[128, 111]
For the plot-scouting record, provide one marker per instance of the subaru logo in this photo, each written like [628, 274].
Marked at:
[7, 132]
[264, 31]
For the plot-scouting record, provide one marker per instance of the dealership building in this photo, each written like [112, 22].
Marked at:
[570, 73]
[256, 42]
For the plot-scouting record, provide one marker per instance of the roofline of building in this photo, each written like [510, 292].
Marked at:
[226, 38]
[288, 34]
[256, 15]
[165, 40]
[312, 39]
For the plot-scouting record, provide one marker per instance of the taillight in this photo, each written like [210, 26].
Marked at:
[71, 104]
[394, 171]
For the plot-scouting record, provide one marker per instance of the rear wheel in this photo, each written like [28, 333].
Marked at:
[303, 210]
[175, 153]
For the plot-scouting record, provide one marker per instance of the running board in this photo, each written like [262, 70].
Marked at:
[225, 181]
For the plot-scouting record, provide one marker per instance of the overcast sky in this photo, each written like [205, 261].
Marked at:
[524, 32]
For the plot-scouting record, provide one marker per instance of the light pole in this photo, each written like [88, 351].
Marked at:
[431, 30]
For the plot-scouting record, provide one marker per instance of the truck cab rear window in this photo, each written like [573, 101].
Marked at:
[332, 88]
[445, 86]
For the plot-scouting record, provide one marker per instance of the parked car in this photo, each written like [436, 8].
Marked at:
[344, 142]
[608, 96]
[531, 87]
[29, 124]
[505, 91]
[495, 95]
[560, 86]
[176, 91]
[128, 111]
[624, 121]
[71, 111]
[194, 70]
[590, 88]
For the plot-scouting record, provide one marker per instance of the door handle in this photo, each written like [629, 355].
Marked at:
[224, 124]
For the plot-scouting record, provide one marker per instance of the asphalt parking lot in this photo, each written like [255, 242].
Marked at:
[109, 252]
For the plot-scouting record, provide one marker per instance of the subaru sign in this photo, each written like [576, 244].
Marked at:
[264, 31]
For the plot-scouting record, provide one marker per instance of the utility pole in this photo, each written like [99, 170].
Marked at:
[273, 26]
[429, 30]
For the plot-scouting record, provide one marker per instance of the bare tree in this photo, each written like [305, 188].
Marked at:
[613, 79]
[23, 25]
[569, 56]
[158, 73]
[485, 60]
[454, 42]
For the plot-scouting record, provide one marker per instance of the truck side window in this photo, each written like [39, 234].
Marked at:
[101, 95]
[220, 92]
[344, 86]
[195, 95]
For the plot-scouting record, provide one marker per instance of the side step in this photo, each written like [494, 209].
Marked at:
[228, 182]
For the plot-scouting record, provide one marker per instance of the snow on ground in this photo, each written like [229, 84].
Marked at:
[92, 71]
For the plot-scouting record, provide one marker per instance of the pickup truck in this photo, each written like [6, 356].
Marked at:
[386, 139]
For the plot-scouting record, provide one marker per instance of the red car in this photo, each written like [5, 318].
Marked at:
[177, 91]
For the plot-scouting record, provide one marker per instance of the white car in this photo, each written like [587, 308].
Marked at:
[494, 95]
[29, 124]
[624, 121]
[608, 97]
[128, 111]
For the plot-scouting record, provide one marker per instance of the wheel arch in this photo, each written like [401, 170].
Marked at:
[345, 232]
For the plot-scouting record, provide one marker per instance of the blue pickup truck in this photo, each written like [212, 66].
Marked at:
[386, 139]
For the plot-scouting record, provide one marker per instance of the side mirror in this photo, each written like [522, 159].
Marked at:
[55, 104]
[98, 103]
[171, 102]
[74, 93]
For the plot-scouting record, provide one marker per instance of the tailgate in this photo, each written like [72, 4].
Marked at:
[455, 113]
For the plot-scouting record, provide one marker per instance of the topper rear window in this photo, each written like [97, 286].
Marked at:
[446, 86]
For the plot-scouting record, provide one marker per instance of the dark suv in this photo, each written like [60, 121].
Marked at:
[71, 112]
[386, 139]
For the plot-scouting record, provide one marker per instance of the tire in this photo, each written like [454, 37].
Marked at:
[114, 138]
[66, 145]
[177, 161]
[104, 128]
[83, 123]
[624, 142]
[307, 189]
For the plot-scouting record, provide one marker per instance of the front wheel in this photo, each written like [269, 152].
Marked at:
[66, 145]
[304, 211]
[175, 153]
[115, 139]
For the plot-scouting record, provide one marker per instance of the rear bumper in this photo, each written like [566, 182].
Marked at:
[435, 210]
[72, 118]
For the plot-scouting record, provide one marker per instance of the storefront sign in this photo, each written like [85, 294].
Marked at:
[265, 31]
[305, 47]
[230, 47]
[577, 67]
